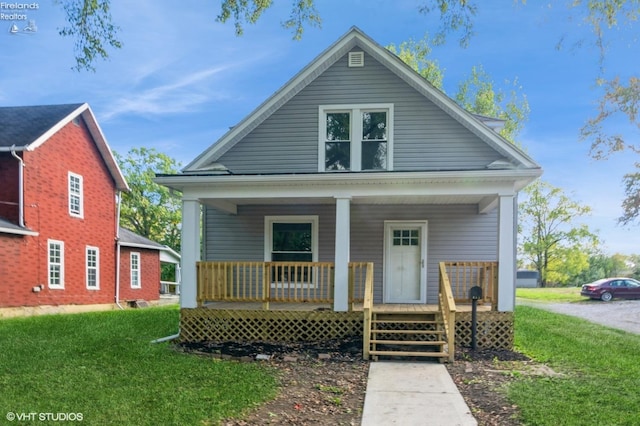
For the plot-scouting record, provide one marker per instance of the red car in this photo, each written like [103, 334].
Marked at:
[609, 288]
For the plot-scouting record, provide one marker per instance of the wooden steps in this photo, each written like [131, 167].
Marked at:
[400, 334]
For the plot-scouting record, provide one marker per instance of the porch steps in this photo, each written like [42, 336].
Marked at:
[399, 334]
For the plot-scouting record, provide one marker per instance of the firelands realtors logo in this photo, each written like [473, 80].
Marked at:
[19, 16]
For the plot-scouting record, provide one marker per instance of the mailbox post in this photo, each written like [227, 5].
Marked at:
[475, 294]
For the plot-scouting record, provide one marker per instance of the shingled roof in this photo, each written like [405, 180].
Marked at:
[25, 128]
[23, 125]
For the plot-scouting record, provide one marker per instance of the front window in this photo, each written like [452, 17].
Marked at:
[356, 138]
[56, 264]
[93, 268]
[135, 270]
[291, 239]
[75, 195]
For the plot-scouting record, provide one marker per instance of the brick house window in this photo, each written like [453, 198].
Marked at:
[93, 268]
[76, 199]
[55, 264]
[135, 270]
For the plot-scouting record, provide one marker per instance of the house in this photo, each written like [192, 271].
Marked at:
[360, 186]
[59, 213]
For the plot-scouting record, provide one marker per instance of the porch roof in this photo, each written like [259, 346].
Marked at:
[226, 191]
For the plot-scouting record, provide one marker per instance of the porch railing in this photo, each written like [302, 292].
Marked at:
[367, 308]
[464, 275]
[294, 282]
[447, 306]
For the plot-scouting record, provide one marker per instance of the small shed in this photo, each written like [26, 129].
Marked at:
[527, 279]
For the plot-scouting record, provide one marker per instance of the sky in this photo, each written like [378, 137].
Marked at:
[182, 79]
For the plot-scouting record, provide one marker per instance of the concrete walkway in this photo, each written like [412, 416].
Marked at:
[413, 393]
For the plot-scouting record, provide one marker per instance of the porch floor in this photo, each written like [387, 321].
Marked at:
[357, 307]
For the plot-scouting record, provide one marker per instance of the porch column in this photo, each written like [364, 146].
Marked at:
[506, 254]
[342, 256]
[190, 252]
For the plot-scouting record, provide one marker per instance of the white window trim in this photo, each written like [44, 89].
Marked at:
[268, 241]
[80, 196]
[49, 264]
[356, 132]
[97, 267]
[131, 270]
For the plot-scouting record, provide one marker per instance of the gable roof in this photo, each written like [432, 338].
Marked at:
[480, 126]
[25, 128]
[128, 238]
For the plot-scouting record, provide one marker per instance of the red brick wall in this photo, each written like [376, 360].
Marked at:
[149, 275]
[9, 186]
[46, 210]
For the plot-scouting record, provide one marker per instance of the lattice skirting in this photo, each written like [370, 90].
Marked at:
[494, 329]
[272, 326]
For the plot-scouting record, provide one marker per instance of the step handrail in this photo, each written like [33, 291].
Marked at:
[447, 306]
[367, 308]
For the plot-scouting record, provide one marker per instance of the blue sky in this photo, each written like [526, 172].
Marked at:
[181, 79]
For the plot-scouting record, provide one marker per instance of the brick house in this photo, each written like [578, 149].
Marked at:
[59, 191]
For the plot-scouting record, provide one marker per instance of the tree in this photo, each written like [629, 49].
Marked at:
[550, 239]
[149, 209]
[92, 29]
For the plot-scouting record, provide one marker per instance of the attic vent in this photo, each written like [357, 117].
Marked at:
[356, 59]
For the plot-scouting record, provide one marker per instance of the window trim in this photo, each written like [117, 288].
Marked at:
[88, 268]
[61, 264]
[268, 240]
[138, 270]
[79, 195]
[356, 133]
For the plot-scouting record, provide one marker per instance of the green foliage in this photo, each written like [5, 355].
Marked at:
[478, 95]
[149, 209]
[104, 366]
[550, 239]
[416, 54]
[600, 367]
[91, 27]
[244, 12]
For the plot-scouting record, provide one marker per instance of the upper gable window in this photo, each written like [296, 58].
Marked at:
[356, 137]
[76, 199]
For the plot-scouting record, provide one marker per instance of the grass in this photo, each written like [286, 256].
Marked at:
[103, 366]
[601, 367]
[556, 294]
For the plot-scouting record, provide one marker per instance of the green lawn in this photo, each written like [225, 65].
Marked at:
[559, 294]
[601, 367]
[103, 366]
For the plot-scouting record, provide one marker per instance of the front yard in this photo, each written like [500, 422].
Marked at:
[103, 367]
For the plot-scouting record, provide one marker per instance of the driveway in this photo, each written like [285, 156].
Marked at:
[621, 314]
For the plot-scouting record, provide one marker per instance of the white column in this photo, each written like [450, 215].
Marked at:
[190, 253]
[506, 255]
[342, 255]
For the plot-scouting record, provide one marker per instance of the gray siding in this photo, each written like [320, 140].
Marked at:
[455, 233]
[425, 138]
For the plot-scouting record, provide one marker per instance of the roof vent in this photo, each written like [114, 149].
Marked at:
[356, 59]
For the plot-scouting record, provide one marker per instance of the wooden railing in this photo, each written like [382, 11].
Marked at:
[367, 308]
[295, 282]
[447, 306]
[464, 275]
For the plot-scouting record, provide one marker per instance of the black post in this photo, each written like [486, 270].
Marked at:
[475, 293]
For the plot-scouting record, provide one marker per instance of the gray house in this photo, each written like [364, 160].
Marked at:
[360, 186]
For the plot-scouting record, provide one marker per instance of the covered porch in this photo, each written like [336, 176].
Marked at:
[292, 301]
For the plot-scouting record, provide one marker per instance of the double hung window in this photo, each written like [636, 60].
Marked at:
[356, 138]
[93, 268]
[291, 239]
[56, 264]
[76, 199]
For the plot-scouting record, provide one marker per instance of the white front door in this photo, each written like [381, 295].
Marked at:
[405, 262]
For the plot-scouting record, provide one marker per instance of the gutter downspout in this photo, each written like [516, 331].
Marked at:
[117, 296]
[20, 187]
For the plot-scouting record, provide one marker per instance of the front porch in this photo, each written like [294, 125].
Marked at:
[294, 301]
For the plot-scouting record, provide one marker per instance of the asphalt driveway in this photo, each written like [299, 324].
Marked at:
[621, 314]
